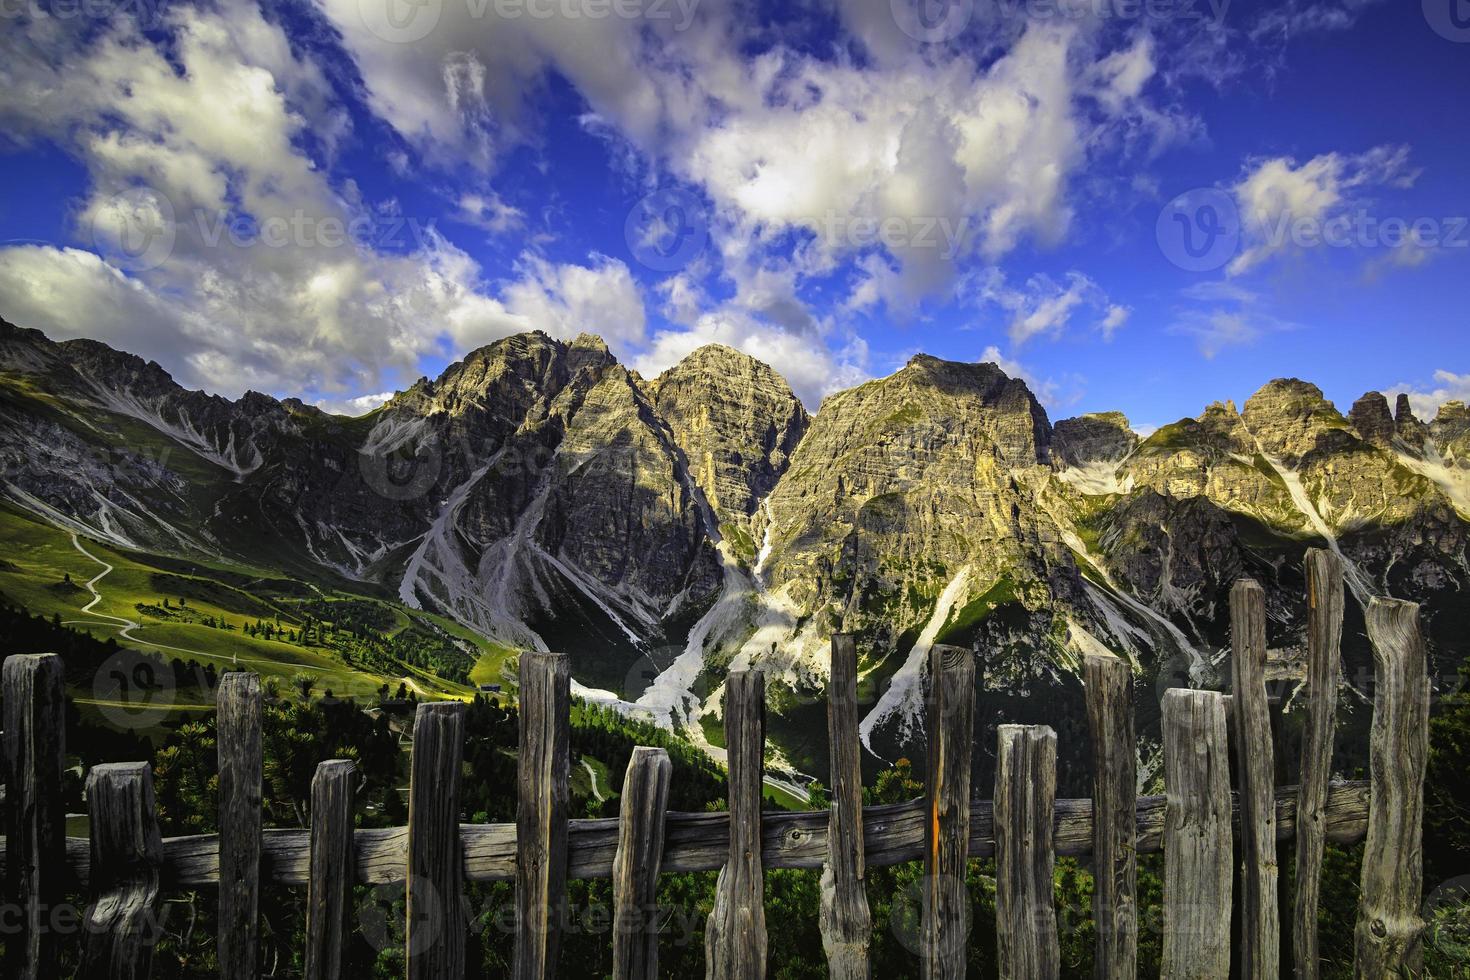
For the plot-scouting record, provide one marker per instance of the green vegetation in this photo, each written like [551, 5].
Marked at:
[233, 616]
[960, 629]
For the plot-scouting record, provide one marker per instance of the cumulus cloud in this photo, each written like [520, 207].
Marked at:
[565, 300]
[797, 150]
[215, 240]
[1427, 401]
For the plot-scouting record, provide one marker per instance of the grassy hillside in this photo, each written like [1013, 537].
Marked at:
[233, 615]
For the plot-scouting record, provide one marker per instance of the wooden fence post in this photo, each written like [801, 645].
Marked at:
[435, 930]
[950, 729]
[34, 818]
[1109, 682]
[1324, 658]
[735, 939]
[329, 892]
[237, 737]
[636, 864]
[1389, 941]
[1197, 837]
[1025, 904]
[121, 925]
[1260, 926]
[544, 794]
[846, 922]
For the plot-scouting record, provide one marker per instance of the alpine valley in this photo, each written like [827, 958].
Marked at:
[663, 531]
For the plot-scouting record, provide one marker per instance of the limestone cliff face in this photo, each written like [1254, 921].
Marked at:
[909, 500]
[544, 495]
[737, 422]
[1105, 437]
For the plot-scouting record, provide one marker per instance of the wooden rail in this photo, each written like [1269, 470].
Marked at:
[1201, 826]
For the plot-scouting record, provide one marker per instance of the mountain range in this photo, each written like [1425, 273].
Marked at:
[664, 531]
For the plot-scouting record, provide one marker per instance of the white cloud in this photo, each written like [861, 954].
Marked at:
[1215, 330]
[565, 300]
[1044, 306]
[795, 149]
[226, 128]
[354, 407]
[1426, 402]
[1113, 320]
[1310, 16]
[1278, 195]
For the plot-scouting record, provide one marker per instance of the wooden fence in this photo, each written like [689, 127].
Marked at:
[1213, 841]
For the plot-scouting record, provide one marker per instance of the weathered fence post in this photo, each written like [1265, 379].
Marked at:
[735, 939]
[1197, 837]
[122, 924]
[237, 736]
[1324, 657]
[543, 793]
[845, 920]
[636, 864]
[435, 930]
[1109, 683]
[1260, 926]
[1025, 802]
[34, 821]
[329, 892]
[1389, 941]
[950, 729]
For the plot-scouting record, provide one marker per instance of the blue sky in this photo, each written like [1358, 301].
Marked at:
[331, 198]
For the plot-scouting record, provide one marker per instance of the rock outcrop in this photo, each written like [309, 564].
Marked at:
[737, 422]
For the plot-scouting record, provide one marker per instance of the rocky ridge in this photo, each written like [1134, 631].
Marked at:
[543, 494]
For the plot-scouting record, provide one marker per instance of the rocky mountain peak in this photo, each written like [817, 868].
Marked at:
[1103, 437]
[1372, 419]
[737, 422]
[1287, 417]
[1409, 428]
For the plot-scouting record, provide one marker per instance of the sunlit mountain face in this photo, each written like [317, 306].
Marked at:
[682, 334]
[668, 530]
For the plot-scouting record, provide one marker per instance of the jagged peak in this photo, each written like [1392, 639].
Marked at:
[1453, 411]
[723, 354]
[590, 341]
[1404, 410]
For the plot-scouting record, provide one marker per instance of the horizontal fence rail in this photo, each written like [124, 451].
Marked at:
[893, 834]
[1221, 831]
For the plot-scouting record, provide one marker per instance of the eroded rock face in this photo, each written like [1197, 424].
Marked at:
[541, 493]
[1410, 429]
[1102, 438]
[737, 422]
[1451, 432]
[1372, 419]
[902, 483]
[1288, 416]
